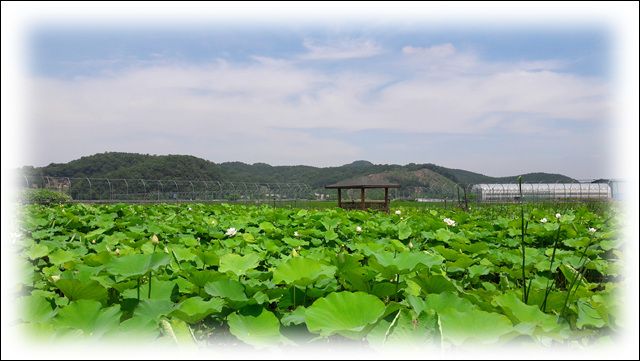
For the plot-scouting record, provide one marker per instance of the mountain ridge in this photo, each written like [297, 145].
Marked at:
[145, 166]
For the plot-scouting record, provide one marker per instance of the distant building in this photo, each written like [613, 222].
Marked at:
[511, 191]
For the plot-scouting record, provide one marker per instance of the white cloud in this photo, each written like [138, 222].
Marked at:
[268, 110]
[438, 51]
[340, 49]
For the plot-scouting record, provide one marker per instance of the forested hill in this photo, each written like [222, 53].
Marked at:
[145, 166]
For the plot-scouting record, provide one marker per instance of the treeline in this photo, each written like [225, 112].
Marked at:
[145, 166]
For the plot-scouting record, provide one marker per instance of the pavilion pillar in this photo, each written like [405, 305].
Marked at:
[340, 197]
[386, 199]
[362, 198]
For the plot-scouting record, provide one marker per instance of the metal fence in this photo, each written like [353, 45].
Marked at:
[146, 190]
[108, 189]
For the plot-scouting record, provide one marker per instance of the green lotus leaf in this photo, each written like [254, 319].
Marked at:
[295, 317]
[330, 223]
[330, 235]
[160, 290]
[443, 235]
[201, 277]
[478, 270]
[137, 264]
[61, 256]
[153, 309]
[82, 290]
[588, 315]
[404, 231]
[267, 227]
[195, 309]
[518, 311]
[447, 300]
[238, 265]
[226, 288]
[97, 259]
[345, 313]
[436, 283]
[37, 251]
[473, 326]
[301, 271]
[89, 317]
[36, 309]
[405, 262]
[262, 330]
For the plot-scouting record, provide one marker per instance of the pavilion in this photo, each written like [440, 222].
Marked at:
[363, 183]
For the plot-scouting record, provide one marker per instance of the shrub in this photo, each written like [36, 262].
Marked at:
[44, 196]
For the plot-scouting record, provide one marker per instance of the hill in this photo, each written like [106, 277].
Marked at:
[145, 166]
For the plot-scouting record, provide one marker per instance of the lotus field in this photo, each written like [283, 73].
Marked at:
[206, 274]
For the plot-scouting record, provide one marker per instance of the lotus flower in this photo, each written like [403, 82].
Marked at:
[154, 239]
[358, 229]
[296, 234]
[543, 220]
[231, 232]
[398, 212]
[450, 222]
[558, 215]
[592, 230]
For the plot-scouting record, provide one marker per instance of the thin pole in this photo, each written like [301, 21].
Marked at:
[340, 197]
[386, 199]
[362, 198]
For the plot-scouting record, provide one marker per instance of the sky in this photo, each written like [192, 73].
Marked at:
[498, 99]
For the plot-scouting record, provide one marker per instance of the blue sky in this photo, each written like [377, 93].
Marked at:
[498, 100]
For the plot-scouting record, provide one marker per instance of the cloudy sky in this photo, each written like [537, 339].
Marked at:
[499, 100]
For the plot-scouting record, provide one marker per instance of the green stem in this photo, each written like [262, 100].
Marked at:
[294, 297]
[547, 290]
[138, 289]
[524, 278]
[576, 278]
[395, 295]
[304, 298]
[149, 293]
[150, 273]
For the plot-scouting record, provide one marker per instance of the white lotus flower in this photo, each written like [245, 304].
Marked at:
[93, 241]
[154, 239]
[55, 278]
[558, 215]
[358, 229]
[450, 222]
[294, 253]
[410, 244]
[231, 232]
[296, 234]
[543, 220]
[117, 251]
[398, 212]
[190, 208]
[592, 230]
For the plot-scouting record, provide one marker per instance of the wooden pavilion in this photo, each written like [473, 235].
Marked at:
[362, 184]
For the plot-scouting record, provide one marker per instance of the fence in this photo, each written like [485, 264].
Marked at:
[107, 189]
[145, 190]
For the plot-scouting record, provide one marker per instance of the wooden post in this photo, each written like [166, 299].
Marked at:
[340, 197]
[386, 199]
[362, 198]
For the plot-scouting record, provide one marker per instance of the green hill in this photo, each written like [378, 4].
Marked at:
[145, 166]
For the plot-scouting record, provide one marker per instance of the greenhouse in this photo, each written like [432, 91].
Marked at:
[511, 191]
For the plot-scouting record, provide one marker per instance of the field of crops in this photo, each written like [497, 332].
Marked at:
[205, 274]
